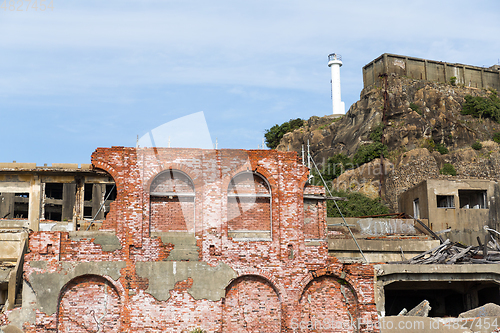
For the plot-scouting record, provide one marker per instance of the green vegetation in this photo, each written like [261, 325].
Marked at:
[431, 146]
[483, 107]
[326, 125]
[441, 148]
[339, 163]
[198, 330]
[357, 205]
[275, 134]
[496, 137]
[369, 152]
[377, 132]
[477, 145]
[448, 169]
[334, 167]
[415, 108]
[453, 80]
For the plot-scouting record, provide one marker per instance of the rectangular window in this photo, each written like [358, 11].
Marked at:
[445, 201]
[472, 199]
[416, 209]
[53, 212]
[54, 191]
[87, 193]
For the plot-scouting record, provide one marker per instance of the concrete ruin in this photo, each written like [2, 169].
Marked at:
[431, 70]
[223, 240]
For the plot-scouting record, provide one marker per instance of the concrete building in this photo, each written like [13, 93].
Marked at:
[61, 197]
[463, 206]
[430, 70]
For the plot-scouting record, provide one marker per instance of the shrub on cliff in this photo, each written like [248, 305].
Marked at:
[441, 149]
[334, 167]
[483, 107]
[369, 152]
[496, 137]
[477, 145]
[448, 169]
[358, 204]
[275, 134]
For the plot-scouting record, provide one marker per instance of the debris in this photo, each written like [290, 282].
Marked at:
[487, 310]
[421, 310]
[403, 312]
[455, 253]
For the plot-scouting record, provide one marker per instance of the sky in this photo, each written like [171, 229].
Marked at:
[86, 74]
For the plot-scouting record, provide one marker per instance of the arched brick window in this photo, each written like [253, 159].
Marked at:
[172, 199]
[249, 207]
[251, 305]
[330, 304]
[79, 315]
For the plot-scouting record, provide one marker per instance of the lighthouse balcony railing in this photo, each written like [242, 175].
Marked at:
[334, 56]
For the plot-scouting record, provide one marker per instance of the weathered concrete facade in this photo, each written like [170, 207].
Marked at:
[224, 240]
[430, 70]
[464, 206]
[60, 197]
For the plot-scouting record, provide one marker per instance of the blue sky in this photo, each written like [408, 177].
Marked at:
[90, 74]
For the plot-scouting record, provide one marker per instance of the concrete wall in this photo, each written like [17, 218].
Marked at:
[136, 280]
[466, 223]
[380, 239]
[430, 70]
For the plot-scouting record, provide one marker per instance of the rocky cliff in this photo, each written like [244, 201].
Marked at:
[418, 115]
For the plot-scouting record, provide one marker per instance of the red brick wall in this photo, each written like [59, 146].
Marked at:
[251, 305]
[328, 305]
[89, 304]
[176, 213]
[273, 287]
[248, 213]
[312, 225]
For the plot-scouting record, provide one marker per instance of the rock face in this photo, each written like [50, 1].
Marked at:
[410, 133]
[438, 118]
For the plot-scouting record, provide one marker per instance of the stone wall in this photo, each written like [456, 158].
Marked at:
[128, 277]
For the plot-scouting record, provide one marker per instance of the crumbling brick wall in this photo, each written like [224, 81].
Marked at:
[139, 275]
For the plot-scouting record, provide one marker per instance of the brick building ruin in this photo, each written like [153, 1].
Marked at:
[224, 240]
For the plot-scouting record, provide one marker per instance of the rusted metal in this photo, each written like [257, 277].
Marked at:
[382, 165]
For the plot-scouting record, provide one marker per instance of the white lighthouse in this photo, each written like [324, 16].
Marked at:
[334, 62]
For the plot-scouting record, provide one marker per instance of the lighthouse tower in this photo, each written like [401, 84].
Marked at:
[334, 62]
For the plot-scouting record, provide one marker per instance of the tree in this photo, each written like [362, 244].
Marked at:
[358, 204]
[274, 135]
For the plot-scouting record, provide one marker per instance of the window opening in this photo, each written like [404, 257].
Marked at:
[416, 208]
[445, 201]
[54, 190]
[472, 199]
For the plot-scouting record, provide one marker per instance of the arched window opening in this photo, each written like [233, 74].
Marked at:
[172, 199]
[249, 207]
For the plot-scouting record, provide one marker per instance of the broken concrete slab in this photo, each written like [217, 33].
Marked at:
[487, 310]
[421, 310]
